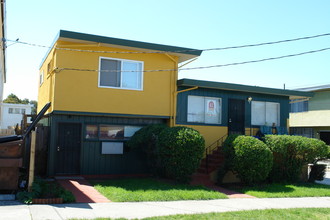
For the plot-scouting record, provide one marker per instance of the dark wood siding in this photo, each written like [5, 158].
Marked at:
[92, 162]
[225, 95]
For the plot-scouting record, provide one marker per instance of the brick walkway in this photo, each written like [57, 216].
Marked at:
[82, 190]
[231, 194]
[204, 179]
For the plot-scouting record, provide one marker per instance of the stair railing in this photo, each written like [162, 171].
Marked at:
[209, 150]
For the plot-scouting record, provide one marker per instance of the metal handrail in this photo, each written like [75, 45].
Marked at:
[211, 148]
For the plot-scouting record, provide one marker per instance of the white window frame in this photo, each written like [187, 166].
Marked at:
[121, 78]
[205, 98]
[265, 116]
[41, 78]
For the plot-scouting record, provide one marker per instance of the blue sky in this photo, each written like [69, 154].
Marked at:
[199, 24]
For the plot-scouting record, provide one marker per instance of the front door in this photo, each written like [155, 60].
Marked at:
[68, 148]
[236, 116]
[325, 136]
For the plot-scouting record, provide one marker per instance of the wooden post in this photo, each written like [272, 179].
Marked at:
[32, 158]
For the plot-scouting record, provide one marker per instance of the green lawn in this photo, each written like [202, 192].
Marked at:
[275, 214]
[301, 214]
[286, 190]
[147, 189]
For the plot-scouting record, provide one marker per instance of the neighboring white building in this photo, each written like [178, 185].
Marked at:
[12, 114]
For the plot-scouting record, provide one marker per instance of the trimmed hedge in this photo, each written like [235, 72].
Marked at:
[252, 159]
[180, 150]
[146, 139]
[291, 153]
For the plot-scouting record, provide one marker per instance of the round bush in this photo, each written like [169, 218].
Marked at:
[291, 153]
[180, 150]
[229, 152]
[146, 139]
[253, 160]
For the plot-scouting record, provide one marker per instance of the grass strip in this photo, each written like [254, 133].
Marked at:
[277, 190]
[147, 189]
[269, 214]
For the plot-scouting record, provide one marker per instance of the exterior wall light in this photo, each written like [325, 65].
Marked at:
[249, 99]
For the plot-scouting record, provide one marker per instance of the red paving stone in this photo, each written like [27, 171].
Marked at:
[83, 191]
[204, 180]
[231, 194]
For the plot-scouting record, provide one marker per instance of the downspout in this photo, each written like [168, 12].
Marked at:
[173, 89]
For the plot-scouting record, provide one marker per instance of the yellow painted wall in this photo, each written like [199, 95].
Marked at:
[78, 90]
[210, 133]
[45, 91]
[310, 119]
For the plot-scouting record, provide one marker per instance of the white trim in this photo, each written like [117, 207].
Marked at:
[41, 78]
[121, 78]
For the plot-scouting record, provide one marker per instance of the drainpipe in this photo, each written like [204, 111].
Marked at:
[173, 88]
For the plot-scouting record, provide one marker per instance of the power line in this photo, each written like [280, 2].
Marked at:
[207, 67]
[269, 43]
[178, 51]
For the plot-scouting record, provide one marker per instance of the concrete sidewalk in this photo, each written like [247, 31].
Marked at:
[15, 210]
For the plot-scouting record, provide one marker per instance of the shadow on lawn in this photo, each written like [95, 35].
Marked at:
[278, 187]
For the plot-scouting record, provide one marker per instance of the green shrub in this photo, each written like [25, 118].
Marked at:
[146, 139]
[180, 150]
[45, 189]
[291, 153]
[253, 160]
[229, 152]
[66, 195]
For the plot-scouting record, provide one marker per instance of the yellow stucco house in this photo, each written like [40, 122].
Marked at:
[102, 90]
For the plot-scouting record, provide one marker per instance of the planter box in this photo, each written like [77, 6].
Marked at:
[47, 201]
[11, 149]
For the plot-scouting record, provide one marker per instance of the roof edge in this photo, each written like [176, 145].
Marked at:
[188, 52]
[128, 43]
[245, 88]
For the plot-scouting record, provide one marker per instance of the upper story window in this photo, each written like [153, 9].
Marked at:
[41, 77]
[265, 113]
[204, 110]
[123, 74]
[297, 105]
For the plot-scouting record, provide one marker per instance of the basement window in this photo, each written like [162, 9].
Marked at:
[92, 131]
[110, 132]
